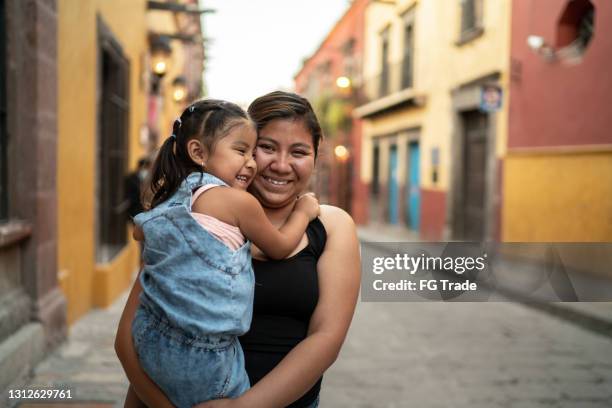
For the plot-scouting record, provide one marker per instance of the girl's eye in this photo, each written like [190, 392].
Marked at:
[299, 153]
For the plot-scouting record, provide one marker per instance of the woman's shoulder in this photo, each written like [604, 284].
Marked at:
[336, 220]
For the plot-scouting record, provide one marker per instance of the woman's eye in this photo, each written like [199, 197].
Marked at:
[264, 147]
[299, 153]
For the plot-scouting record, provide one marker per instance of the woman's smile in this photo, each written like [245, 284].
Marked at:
[285, 162]
[275, 181]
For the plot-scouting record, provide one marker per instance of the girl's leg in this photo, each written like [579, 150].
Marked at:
[132, 400]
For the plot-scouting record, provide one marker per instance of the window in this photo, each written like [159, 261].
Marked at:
[575, 29]
[348, 51]
[384, 72]
[471, 19]
[112, 148]
[408, 58]
[326, 74]
[585, 28]
[375, 171]
[3, 132]
[312, 86]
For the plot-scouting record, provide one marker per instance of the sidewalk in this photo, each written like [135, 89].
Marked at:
[85, 364]
[596, 316]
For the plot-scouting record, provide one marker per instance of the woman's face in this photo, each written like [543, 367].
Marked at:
[285, 161]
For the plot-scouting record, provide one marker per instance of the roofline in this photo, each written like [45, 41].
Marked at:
[327, 37]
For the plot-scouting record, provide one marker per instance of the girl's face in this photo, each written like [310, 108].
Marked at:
[231, 158]
[285, 161]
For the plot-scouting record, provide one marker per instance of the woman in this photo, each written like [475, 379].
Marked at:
[303, 304]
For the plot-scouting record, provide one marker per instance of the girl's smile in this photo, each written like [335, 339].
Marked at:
[231, 158]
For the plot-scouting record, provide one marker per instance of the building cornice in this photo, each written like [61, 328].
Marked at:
[405, 97]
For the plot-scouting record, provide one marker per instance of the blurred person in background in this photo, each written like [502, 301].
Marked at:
[133, 186]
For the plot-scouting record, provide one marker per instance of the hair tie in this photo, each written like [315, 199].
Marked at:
[191, 109]
[173, 137]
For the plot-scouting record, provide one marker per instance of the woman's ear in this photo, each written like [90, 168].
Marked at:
[197, 152]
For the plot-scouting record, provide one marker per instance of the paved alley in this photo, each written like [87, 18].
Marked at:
[405, 354]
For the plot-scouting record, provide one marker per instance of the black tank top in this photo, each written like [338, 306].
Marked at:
[286, 294]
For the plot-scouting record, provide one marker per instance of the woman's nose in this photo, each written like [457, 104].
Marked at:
[281, 164]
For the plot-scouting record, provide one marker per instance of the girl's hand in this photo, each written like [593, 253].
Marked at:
[219, 403]
[309, 205]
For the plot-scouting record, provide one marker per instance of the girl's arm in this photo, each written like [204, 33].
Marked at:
[145, 388]
[249, 216]
[339, 273]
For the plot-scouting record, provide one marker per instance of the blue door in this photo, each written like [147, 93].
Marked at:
[413, 190]
[393, 186]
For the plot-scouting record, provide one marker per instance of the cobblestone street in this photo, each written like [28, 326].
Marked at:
[497, 354]
[468, 355]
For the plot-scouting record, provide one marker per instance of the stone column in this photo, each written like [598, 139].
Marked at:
[28, 248]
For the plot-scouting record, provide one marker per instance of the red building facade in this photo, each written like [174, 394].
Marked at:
[558, 169]
[563, 99]
[331, 79]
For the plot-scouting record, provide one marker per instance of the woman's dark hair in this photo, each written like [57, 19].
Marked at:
[286, 105]
[208, 121]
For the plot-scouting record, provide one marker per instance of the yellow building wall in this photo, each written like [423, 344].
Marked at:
[440, 66]
[84, 283]
[557, 197]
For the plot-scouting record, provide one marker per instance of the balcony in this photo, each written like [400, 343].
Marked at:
[390, 89]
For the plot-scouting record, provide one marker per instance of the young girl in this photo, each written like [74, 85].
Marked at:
[197, 278]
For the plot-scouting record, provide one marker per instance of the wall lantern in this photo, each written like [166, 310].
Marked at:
[343, 82]
[160, 54]
[179, 89]
[540, 47]
[341, 153]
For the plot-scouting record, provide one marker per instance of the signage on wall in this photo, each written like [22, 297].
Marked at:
[491, 98]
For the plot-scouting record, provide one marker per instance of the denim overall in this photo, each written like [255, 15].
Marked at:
[197, 298]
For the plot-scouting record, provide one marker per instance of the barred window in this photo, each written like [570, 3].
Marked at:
[384, 69]
[3, 131]
[408, 57]
[113, 116]
[471, 15]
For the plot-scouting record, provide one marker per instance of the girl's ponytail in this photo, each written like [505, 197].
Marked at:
[206, 120]
[168, 172]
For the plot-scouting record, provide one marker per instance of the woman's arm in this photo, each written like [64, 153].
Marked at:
[145, 388]
[339, 274]
[137, 233]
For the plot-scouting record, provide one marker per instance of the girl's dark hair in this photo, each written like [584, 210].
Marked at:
[286, 105]
[208, 121]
